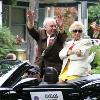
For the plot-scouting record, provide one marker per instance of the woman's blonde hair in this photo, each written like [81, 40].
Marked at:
[75, 25]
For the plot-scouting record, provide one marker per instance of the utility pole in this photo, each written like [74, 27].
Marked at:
[84, 16]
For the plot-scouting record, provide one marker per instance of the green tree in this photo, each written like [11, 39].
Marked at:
[93, 12]
[7, 42]
[93, 15]
[13, 2]
[10, 2]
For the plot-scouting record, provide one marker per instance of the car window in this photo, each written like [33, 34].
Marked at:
[6, 65]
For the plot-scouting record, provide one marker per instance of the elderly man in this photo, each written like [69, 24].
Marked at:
[49, 39]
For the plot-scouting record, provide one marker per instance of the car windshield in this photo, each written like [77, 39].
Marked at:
[6, 65]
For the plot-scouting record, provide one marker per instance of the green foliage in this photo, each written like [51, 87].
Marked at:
[97, 56]
[96, 70]
[96, 59]
[14, 2]
[93, 11]
[7, 42]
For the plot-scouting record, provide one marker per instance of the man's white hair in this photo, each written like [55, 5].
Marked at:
[48, 19]
[75, 25]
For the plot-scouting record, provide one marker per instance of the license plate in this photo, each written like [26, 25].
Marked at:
[47, 95]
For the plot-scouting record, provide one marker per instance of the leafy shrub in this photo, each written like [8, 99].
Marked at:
[96, 70]
[7, 42]
[96, 49]
[96, 67]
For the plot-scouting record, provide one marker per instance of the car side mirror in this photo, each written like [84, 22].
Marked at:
[26, 83]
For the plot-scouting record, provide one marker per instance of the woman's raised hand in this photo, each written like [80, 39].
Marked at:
[60, 21]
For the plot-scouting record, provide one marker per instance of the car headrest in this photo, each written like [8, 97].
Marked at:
[50, 75]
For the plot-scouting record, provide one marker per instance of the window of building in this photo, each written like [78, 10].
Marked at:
[15, 19]
[18, 21]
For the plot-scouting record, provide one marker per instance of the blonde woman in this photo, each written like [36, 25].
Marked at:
[75, 55]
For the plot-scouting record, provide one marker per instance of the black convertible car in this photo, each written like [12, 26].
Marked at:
[14, 87]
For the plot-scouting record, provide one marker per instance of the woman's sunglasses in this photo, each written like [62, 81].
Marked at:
[79, 31]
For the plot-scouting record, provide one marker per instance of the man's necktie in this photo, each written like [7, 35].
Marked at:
[50, 41]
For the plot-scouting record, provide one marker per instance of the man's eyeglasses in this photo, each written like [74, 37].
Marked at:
[79, 31]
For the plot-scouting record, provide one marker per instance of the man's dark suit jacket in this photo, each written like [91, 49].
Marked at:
[51, 57]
